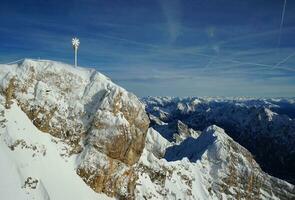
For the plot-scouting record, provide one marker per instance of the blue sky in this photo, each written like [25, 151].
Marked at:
[162, 47]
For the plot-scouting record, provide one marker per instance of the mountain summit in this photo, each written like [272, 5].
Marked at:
[99, 121]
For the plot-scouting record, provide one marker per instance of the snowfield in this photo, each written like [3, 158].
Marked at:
[32, 163]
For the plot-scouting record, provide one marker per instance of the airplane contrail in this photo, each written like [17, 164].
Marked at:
[284, 60]
[282, 22]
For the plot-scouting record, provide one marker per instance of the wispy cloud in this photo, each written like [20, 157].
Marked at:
[172, 12]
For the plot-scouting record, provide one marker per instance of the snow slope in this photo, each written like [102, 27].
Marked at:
[32, 165]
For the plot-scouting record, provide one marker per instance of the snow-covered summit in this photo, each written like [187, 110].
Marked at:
[86, 110]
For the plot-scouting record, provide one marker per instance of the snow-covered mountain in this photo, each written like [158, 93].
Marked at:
[103, 124]
[71, 133]
[266, 127]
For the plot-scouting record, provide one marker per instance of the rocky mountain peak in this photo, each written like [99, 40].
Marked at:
[85, 109]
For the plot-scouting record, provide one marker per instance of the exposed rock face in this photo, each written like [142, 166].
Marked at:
[121, 116]
[183, 132]
[88, 111]
[107, 175]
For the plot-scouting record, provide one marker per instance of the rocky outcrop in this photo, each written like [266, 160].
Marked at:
[105, 174]
[119, 117]
[183, 132]
[88, 111]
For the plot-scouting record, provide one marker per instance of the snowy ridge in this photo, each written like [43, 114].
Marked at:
[251, 122]
[211, 166]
